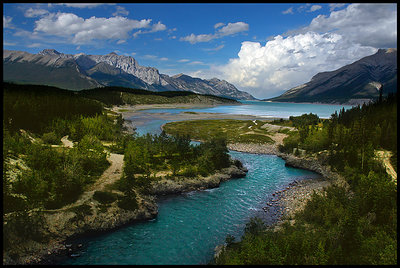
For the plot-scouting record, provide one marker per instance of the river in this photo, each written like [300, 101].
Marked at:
[189, 226]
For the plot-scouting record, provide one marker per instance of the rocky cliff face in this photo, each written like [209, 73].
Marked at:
[360, 80]
[90, 71]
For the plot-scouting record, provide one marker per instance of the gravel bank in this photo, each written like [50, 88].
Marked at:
[294, 197]
[254, 148]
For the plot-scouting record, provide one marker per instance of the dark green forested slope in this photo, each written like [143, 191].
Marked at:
[358, 226]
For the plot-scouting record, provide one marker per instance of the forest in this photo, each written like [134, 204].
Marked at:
[356, 226]
[38, 173]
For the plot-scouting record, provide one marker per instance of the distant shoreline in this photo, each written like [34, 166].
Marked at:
[140, 110]
[355, 103]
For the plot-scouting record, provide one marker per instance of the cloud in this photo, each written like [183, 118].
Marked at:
[326, 44]
[283, 63]
[8, 43]
[196, 63]
[183, 60]
[154, 28]
[7, 22]
[215, 48]
[314, 8]
[136, 34]
[34, 45]
[233, 28]
[85, 5]
[218, 25]
[193, 39]
[148, 56]
[288, 11]
[367, 24]
[230, 29]
[158, 27]
[154, 57]
[332, 7]
[84, 30]
[120, 11]
[32, 13]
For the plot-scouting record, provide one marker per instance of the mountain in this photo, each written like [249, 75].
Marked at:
[81, 71]
[352, 84]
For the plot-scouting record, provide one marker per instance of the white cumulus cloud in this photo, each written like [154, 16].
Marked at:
[84, 30]
[329, 42]
[283, 63]
[367, 24]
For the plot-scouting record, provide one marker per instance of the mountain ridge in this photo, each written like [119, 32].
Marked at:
[354, 83]
[90, 71]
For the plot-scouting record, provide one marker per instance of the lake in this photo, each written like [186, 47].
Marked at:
[145, 122]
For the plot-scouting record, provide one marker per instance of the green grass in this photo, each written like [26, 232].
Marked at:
[241, 131]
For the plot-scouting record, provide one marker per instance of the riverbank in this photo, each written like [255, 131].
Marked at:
[293, 197]
[316, 163]
[100, 219]
[61, 226]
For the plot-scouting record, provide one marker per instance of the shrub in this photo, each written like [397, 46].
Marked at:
[237, 163]
[50, 138]
[189, 171]
[128, 202]
[104, 197]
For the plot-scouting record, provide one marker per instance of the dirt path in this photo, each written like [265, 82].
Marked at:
[110, 175]
[384, 156]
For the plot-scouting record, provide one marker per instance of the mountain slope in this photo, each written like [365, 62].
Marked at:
[81, 71]
[356, 82]
[23, 67]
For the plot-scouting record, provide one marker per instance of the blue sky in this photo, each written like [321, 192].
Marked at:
[264, 49]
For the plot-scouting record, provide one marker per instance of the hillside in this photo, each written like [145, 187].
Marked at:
[354, 83]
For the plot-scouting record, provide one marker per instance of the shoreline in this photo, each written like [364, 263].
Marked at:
[58, 247]
[64, 234]
[316, 165]
[128, 111]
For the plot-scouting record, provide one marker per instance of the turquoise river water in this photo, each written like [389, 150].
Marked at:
[189, 226]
